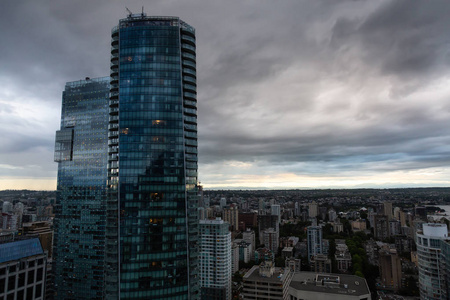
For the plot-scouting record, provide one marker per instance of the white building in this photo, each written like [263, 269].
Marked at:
[215, 258]
[431, 272]
[7, 207]
[249, 237]
[223, 202]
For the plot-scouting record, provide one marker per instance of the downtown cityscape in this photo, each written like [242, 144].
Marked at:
[205, 160]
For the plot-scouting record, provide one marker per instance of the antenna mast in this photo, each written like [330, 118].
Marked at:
[129, 11]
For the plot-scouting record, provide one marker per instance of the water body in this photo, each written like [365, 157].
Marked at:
[446, 215]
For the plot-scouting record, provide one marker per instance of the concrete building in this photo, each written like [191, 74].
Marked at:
[313, 286]
[275, 210]
[245, 251]
[390, 269]
[43, 231]
[294, 264]
[320, 263]
[266, 222]
[231, 216]
[265, 282]
[250, 219]
[271, 239]
[215, 259]
[395, 228]
[313, 209]
[358, 225]
[381, 227]
[287, 252]
[249, 237]
[332, 215]
[387, 209]
[234, 258]
[342, 256]
[23, 269]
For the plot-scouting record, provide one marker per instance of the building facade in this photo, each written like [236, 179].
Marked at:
[215, 259]
[432, 283]
[23, 269]
[152, 220]
[231, 216]
[265, 282]
[81, 153]
[314, 235]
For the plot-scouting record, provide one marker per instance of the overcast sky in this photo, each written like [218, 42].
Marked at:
[291, 94]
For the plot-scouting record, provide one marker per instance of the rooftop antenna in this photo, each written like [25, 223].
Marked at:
[129, 11]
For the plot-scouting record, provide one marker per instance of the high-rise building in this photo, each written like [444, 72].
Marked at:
[314, 235]
[266, 222]
[390, 269]
[231, 215]
[432, 283]
[81, 153]
[249, 237]
[152, 220]
[387, 209]
[271, 239]
[381, 227]
[275, 210]
[215, 259]
[313, 209]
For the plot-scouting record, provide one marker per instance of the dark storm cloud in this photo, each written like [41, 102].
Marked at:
[309, 87]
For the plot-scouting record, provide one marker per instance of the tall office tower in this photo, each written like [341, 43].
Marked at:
[152, 220]
[215, 259]
[81, 152]
[431, 270]
[314, 235]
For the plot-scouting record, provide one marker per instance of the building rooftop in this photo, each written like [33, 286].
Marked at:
[330, 283]
[20, 249]
[276, 274]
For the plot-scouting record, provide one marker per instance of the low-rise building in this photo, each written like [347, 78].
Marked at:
[320, 264]
[313, 286]
[266, 282]
[23, 270]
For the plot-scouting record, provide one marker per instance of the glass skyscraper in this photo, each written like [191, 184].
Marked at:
[81, 152]
[152, 223]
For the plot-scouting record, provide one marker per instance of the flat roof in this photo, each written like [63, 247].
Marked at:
[253, 275]
[347, 284]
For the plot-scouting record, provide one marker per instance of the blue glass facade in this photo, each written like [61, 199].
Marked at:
[152, 223]
[81, 152]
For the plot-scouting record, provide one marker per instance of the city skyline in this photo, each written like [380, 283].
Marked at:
[299, 94]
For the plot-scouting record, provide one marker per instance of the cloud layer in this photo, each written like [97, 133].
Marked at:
[291, 93]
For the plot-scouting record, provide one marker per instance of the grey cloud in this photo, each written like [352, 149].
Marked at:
[303, 86]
